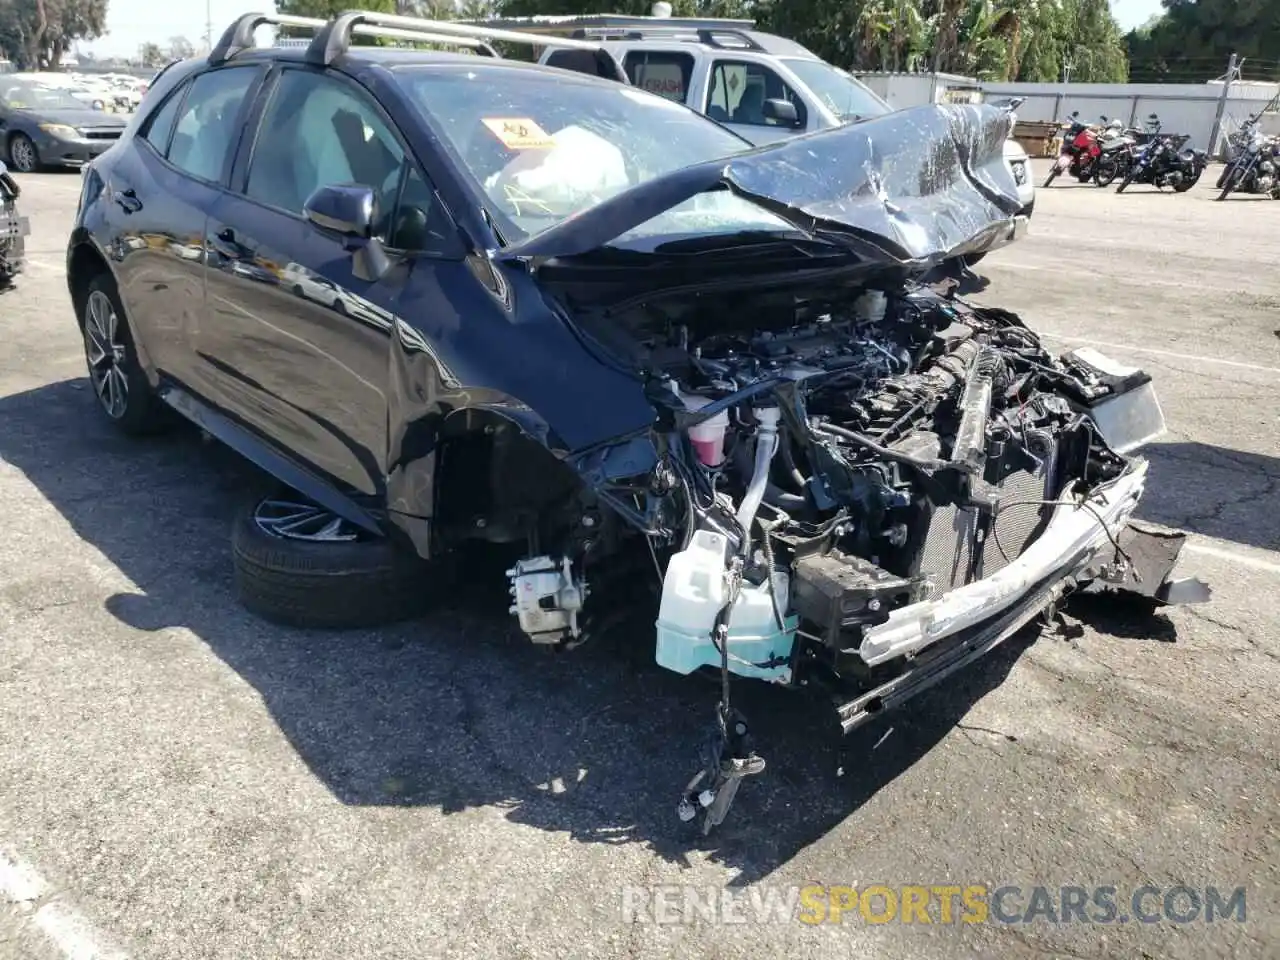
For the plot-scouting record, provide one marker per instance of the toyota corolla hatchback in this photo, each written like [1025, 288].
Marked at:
[449, 298]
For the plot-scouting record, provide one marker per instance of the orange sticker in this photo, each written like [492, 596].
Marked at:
[519, 133]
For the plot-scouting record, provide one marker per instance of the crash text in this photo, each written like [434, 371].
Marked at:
[939, 904]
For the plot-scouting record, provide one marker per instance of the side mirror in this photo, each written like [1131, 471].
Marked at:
[784, 111]
[350, 210]
[1075, 113]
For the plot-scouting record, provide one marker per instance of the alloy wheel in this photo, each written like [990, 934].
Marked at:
[23, 154]
[106, 353]
[298, 520]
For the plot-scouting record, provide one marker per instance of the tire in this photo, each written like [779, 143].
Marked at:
[1228, 186]
[1222, 177]
[1128, 178]
[23, 155]
[363, 581]
[1053, 175]
[1185, 185]
[120, 387]
[1105, 179]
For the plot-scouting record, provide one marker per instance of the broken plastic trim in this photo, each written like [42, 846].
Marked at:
[1066, 548]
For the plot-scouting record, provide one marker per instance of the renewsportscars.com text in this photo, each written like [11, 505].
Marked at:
[935, 904]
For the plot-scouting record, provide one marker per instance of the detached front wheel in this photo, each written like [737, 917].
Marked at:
[299, 565]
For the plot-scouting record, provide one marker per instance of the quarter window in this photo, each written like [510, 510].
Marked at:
[206, 133]
[160, 124]
[318, 131]
[665, 73]
[739, 90]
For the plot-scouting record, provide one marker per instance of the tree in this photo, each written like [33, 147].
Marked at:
[988, 39]
[37, 33]
[1193, 40]
[180, 48]
[151, 55]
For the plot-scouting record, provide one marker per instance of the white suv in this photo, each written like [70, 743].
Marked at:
[763, 87]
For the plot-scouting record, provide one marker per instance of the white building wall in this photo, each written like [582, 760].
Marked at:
[1182, 107]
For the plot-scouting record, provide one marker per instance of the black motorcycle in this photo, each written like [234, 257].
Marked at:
[1253, 167]
[1116, 152]
[1162, 162]
[13, 229]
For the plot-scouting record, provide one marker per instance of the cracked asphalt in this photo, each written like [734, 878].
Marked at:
[199, 784]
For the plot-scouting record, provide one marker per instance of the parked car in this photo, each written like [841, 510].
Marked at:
[14, 229]
[763, 87]
[47, 126]
[669, 380]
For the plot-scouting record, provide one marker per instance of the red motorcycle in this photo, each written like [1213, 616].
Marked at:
[1080, 150]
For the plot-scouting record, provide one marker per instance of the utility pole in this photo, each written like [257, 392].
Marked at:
[208, 24]
[1233, 69]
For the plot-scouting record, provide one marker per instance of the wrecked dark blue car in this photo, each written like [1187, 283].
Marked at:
[448, 298]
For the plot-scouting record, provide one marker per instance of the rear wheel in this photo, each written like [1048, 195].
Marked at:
[124, 396]
[1107, 169]
[300, 565]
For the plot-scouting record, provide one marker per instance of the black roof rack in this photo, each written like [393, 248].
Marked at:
[333, 37]
[239, 36]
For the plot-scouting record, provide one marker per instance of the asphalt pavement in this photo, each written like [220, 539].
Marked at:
[181, 780]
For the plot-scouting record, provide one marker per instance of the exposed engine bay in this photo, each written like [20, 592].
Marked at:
[867, 493]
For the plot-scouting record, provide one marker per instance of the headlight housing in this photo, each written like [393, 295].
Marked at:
[61, 131]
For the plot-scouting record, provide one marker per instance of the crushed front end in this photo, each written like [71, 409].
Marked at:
[855, 481]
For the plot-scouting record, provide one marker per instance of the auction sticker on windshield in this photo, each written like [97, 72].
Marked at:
[519, 133]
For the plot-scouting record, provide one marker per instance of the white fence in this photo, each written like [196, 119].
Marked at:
[1182, 107]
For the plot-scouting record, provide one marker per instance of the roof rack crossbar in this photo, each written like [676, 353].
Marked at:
[239, 36]
[567, 25]
[704, 35]
[334, 39]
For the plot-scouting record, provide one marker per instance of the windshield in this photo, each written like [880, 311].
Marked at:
[839, 92]
[544, 147]
[32, 96]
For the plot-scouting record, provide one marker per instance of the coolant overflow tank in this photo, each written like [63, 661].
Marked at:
[693, 592]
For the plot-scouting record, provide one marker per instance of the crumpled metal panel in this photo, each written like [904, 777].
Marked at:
[917, 185]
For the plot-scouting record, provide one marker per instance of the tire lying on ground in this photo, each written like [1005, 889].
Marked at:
[325, 573]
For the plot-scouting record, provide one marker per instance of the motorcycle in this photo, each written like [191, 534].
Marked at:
[13, 229]
[1079, 149]
[1117, 150]
[1162, 162]
[1253, 168]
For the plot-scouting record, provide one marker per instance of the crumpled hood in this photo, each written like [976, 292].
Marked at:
[918, 185]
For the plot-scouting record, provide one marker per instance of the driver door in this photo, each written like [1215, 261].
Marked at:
[298, 346]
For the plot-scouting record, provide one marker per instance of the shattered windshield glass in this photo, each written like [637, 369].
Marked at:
[543, 147]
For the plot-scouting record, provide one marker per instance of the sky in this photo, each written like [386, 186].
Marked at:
[131, 23]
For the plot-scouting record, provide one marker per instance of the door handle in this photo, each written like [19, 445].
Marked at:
[128, 200]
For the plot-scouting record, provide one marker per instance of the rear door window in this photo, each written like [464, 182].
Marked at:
[666, 73]
[208, 129]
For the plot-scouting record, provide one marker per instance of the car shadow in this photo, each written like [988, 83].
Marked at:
[1214, 491]
[458, 711]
